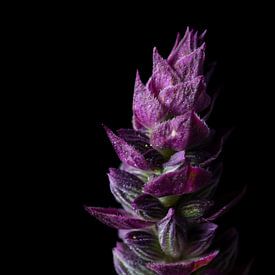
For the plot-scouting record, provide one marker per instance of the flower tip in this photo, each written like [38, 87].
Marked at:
[109, 132]
[203, 46]
[155, 50]
[137, 74]
[177, 39]
[202, 36]
[105, 127]
[112, 170]
[138, 82]
[89, 209]
[85, 207]
[156, 56]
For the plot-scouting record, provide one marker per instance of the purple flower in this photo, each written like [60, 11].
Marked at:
[169, 173]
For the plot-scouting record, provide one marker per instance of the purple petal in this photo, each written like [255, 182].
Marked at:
[142, 144]
[180, 132]
[176, 42]
[185, 97]
[125, 181]
[126, 152]
[188, 44]
[176, 159]
[137, 125]
[184, 180]
[201, 238]
[180, 49]
[127, 262]
[191, 65]
[145, 244]
[199, 130]
[138, 139]
[172, 183]
[122, 233]
[125, 187]
[198, 178]
[143, 175]
[163, 75]
[172, 237]
[146, 107]
[149, 207]
[119, 266]
[117, 218]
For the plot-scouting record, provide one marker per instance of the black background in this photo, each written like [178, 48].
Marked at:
[91, 55]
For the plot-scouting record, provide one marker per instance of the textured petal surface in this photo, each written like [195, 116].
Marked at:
[176, 159]
[185, 96]
[117, 218]
[146, 107]
[185, 46]
[135, 138]
[142, 174]
[145, 244]
[124, 186]
[137, 125]
[127, 262]
[191, 65]
[172, 236]
[193, 211]
[163, 75]
[185, 180]
[172, 183]
[199, 130]
[149, 207]
[181, 48]
[200, 238]
[126, 152]
[142, 144]
[180, 132]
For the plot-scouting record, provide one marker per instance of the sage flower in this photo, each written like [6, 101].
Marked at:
[170, 168]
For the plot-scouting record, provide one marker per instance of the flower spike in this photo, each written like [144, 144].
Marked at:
[170, 169]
